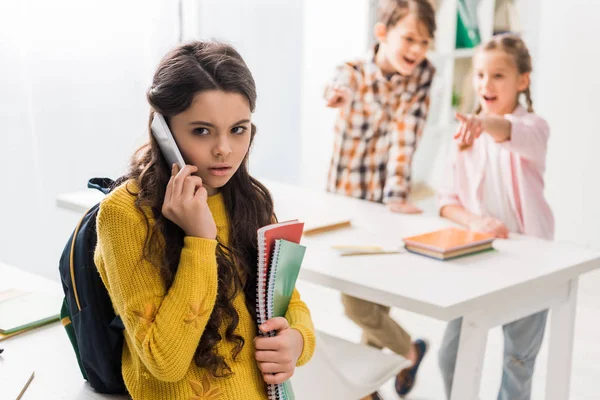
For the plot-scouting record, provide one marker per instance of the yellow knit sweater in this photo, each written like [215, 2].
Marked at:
[163, 327]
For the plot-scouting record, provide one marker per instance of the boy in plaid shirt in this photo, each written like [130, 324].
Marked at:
[383, 100]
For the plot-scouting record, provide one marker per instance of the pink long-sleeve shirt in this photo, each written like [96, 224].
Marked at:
[522, 166]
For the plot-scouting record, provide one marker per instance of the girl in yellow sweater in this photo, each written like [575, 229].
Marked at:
[177, 249]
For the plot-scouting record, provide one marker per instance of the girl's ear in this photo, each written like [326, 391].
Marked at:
[523, 81]
[380, 32]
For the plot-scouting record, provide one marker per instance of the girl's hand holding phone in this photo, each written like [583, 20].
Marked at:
[186, 204]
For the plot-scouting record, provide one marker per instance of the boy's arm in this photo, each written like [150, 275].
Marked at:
[407, 130]
[342, 86]
[345, 75]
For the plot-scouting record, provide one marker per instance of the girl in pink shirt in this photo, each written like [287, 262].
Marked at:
[496, 186]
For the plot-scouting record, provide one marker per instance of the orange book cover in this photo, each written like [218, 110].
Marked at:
[449, 239]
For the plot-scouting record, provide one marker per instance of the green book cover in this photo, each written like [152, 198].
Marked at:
[285, 267]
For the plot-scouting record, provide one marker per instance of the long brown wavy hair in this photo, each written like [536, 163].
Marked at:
[184, 72]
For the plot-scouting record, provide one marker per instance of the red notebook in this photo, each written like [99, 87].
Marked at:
[449, 240]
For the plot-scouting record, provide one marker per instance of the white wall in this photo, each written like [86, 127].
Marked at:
[268, 34]
[567, 96]
[334, 31]
[73, 77]
[292, 47]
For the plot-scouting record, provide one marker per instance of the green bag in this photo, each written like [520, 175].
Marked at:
[467, 31]
[65, 319]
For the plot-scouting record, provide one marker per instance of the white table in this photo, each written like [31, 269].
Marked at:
[45, 350]
[523, 276]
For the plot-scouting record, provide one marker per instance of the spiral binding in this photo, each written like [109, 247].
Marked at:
[274, 391]
[272, 275]
[261, 279]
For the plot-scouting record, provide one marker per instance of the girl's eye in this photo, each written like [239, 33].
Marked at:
[409, 39]
[480, 75]
[201, 131]
[498, 76]
[238, 130]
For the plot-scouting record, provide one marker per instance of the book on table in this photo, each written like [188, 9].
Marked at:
[449, 243]
[21, 311]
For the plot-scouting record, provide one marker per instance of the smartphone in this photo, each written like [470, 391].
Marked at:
[166, 142]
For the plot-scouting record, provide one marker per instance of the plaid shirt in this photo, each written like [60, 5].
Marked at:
[377, 132]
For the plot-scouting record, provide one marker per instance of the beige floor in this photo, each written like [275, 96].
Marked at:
[328, 316]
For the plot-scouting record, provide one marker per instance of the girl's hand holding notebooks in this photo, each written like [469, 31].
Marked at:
[277, 355]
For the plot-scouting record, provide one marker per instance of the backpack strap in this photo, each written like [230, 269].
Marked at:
[71, 265]
[105, 185]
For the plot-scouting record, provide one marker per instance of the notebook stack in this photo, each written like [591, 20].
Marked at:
[279, 260]
[449, 243]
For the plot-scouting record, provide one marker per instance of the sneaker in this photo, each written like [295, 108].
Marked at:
[405, 380]
[373, 396]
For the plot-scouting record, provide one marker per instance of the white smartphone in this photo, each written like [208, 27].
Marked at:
[166, 142]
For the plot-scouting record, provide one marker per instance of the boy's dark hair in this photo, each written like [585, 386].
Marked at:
[392, 11]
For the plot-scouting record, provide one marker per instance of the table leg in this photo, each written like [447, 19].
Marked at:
[469, 362]
[560, 349]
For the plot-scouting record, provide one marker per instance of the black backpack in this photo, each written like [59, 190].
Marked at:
[94, 330]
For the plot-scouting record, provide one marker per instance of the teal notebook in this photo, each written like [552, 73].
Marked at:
[283, 273]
